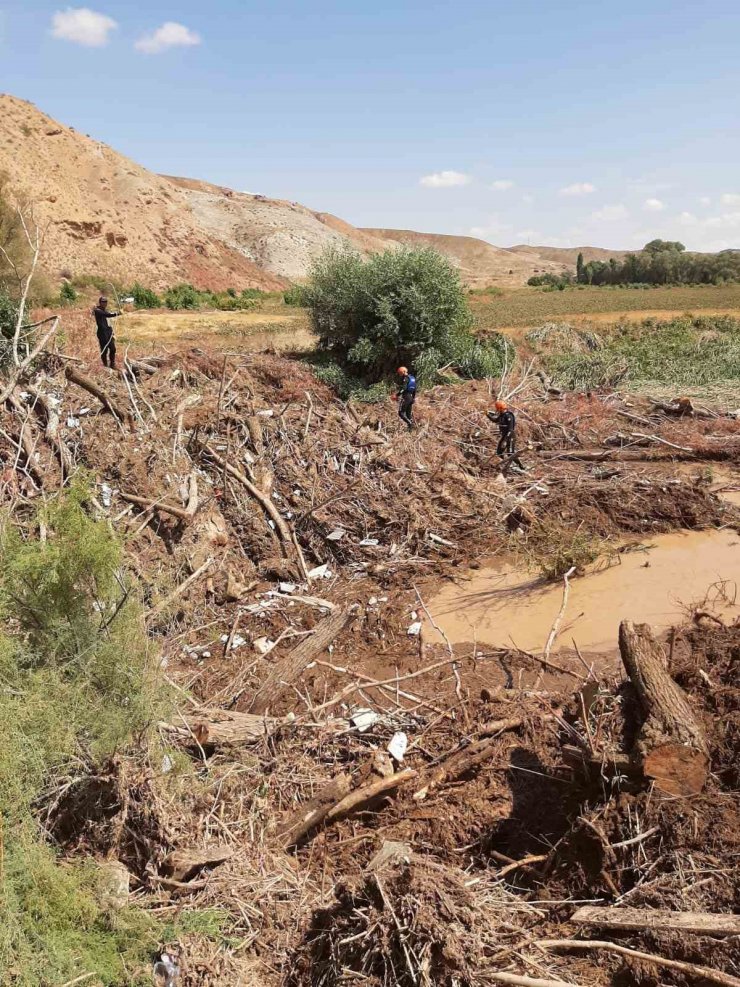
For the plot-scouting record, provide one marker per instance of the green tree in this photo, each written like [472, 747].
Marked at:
[580, 272]
[67, 293]
[144, 297]
[373, 315]
[662, 246]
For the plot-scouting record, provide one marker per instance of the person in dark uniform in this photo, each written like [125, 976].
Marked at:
[106, 336]
[406, 396]
[505, 418]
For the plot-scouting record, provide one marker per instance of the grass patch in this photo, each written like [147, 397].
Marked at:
[554, 549]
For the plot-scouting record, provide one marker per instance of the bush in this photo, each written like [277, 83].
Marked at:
[8, 314]
[296, 296]
[182, 296]
[75, 668]
[554, 549]
[67, 293]
[144, 297]
[373, 315]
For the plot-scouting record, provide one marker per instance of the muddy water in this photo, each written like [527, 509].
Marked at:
[499, 606]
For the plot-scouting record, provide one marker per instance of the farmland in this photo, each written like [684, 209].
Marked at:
[526, 307]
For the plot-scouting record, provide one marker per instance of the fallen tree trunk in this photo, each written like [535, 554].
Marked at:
[289, 668]
[182, 513]
[74, 375]
[671, 744]
[181, 865]
[701, 923]
[52, 428]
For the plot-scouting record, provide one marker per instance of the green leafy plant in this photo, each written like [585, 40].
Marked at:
[67, 293]
[144, 297]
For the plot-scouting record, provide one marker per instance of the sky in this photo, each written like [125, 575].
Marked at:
[528, 121]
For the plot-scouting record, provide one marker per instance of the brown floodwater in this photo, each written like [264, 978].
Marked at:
[658, 584]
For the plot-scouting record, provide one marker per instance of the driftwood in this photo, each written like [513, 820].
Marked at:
[182, 513]
[16, 375]
[312, 813]
[460, 762]
[357, 800]
[225, 728]
[76, 377]
[704, 972]
[181, 865]
[655, 919]
[52, 428]
[289, 668]
[671, 745]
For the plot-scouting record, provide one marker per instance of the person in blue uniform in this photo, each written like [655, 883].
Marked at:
[406, 396]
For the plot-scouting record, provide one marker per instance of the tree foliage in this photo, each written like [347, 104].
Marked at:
[663, 262]
[402, 307]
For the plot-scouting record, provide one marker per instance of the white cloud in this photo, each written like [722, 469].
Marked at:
[730, 199]
[445, 179]
[82, 26]
[527, 199]
[610, 214]
[705, 201]
[502, 184]
[653, 205]
[687, 219]
[168, 35]
[578, 188]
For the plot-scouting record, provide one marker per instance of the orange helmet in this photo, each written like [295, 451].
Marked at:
[403, 371]
[501, 406]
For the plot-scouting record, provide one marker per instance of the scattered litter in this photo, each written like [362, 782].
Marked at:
[205, 654]
[320, 572]
[262, 645]
[267, 413]
[73, 422]
[105, 494]
[237, 642]
[25, 395]
[167, 764]
[166, 970]
[336, 535]
[397, 746]
[441, 541]
[363, 719]
[373, 601]
[414, 629]
[84, 411]
[369, 542]
[287, 587]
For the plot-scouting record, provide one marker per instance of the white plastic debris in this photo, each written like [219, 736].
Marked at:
[205, 654]
[363, 719]
[369, 542]
[167, 764]
[287, 587]
[237, 642]
[105, 494]
[397, 746]
[320, 572]
[336, 535]
[262, 645]
[441, 541]
[73, 422]
[373, 601]
[166, 970]
[84, 411]
[414, 629]
[266, 413]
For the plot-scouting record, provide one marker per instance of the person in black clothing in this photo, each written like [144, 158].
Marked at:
[506, 421]
[106, 337]
[406, 397]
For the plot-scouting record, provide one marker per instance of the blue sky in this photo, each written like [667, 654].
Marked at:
[522, 121]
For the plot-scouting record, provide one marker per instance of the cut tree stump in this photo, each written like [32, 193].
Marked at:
[289, 668]
[702, 923]
[671, 745]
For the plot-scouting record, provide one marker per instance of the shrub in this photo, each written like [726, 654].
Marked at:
[296, 296]
[67, 293]
[75, 669]
[375, 314]
[144, 297]
[8, 314]
[554, 549]
[183, 296]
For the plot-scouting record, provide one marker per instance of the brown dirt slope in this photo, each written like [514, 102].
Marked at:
[567, 256]
[480, 263]
[104, 214]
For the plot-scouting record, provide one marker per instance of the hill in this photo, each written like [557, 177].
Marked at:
[567, 256]
[479, 262]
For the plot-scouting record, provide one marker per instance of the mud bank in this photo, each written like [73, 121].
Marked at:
[660, 583]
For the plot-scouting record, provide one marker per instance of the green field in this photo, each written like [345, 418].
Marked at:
[526, 307]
